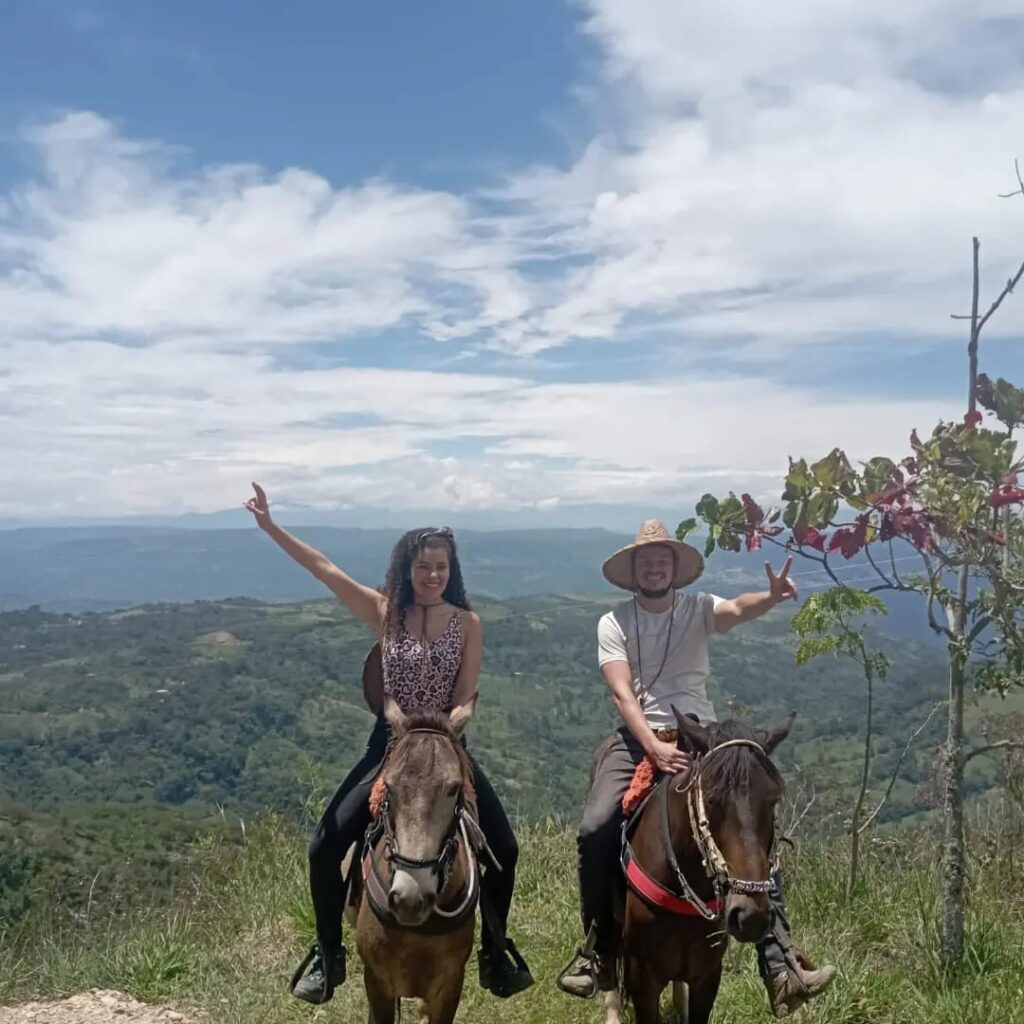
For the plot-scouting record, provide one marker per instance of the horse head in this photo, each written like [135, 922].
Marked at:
[732, 792]
[426, 776]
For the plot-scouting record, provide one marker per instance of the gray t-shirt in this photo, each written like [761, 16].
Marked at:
[683, 681]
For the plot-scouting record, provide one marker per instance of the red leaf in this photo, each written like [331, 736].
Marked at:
[1006, 495]
[971, 420]
[846, 542]
[755, 516]
[808, 536]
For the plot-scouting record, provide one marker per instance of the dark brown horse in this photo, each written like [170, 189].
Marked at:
[703, 847]
[420, 884]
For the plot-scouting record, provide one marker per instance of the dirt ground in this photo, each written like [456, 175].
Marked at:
[95, 1007]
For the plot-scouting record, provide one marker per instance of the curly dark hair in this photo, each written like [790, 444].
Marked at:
[398, 581]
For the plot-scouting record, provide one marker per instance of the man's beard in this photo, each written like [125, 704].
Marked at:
[654, 595]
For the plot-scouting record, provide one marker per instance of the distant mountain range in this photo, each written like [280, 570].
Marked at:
[106, 567]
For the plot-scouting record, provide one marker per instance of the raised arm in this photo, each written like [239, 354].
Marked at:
[472, 657]
[753, 606]
[364, 603]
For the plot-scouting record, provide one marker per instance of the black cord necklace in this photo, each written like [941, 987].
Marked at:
[645, 690]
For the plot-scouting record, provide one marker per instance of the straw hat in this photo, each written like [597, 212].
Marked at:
[689, 562]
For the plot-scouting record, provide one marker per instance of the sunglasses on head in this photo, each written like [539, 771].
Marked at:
[444, 532]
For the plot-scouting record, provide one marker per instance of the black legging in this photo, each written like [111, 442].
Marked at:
[345, 822]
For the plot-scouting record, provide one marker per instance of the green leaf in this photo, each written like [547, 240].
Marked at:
[878, 473]
[821, 509]
[834, 472]
[685, 528]
[707, 508]
[799, 481]
[1002, 398]
[812, 647]
[795, 512]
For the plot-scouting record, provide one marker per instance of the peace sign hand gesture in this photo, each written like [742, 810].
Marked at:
[781, 586]
[260, 508]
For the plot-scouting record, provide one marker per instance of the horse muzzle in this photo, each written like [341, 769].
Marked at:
[747, 918]
[411, 902]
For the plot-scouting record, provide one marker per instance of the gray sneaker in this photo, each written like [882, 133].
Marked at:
[588, 974]
[325, 973]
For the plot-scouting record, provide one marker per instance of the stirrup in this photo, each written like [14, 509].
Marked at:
[579, 959]
[328, 961]
[301, 969]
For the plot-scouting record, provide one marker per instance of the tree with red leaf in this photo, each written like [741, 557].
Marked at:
[954, 503]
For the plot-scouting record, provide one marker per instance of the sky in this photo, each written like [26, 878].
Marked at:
[531, 257]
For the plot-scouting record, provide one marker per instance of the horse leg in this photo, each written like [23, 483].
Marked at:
[645, 991]
[702, 997]
[442, 1006]
[681, 1002]
[613, 1007]
[382, 1004]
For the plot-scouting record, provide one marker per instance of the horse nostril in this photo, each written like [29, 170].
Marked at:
[734, 921]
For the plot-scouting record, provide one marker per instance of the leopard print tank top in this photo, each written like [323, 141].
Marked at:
[419, 675]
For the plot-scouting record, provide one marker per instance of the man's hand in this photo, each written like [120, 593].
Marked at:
[667, 757]
[782, 588]
[260, 508]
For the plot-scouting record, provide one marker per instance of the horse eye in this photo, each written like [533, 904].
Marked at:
[453, 789]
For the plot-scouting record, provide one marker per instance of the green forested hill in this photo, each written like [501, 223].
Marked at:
[245, 705]
[124, 734]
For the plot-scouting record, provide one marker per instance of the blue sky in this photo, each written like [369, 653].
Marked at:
[488, 257]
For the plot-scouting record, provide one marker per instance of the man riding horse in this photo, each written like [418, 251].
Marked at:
[653, 653]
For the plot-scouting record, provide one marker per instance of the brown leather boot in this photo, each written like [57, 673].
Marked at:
[790, 989]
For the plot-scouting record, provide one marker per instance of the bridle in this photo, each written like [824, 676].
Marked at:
[715, 865]
[441, 865]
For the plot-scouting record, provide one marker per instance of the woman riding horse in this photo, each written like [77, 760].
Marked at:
[431, 650]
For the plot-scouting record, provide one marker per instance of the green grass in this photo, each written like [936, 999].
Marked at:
[240, 922]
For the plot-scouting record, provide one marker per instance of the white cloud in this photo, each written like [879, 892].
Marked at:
[766, 178]
[97, 429]
[118, 236]
[785, 174]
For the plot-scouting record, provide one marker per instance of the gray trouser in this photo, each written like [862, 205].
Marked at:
[598, 846]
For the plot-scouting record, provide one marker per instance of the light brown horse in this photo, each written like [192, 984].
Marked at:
[706, 837]
[420, 877]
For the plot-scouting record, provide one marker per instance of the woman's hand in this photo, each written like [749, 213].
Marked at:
[260, 508]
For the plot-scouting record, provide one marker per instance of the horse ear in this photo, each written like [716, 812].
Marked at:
[394, 716]
[776, 733]
[693, 737]
[461, 715]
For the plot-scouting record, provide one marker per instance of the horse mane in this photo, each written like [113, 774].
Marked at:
[730, 770]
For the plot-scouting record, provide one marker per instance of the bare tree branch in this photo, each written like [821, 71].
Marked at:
[895, 571]
[1008, 288]
[989, 747]
[899, 764]
[1020, 181]
[795, 824]
[871, 559]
